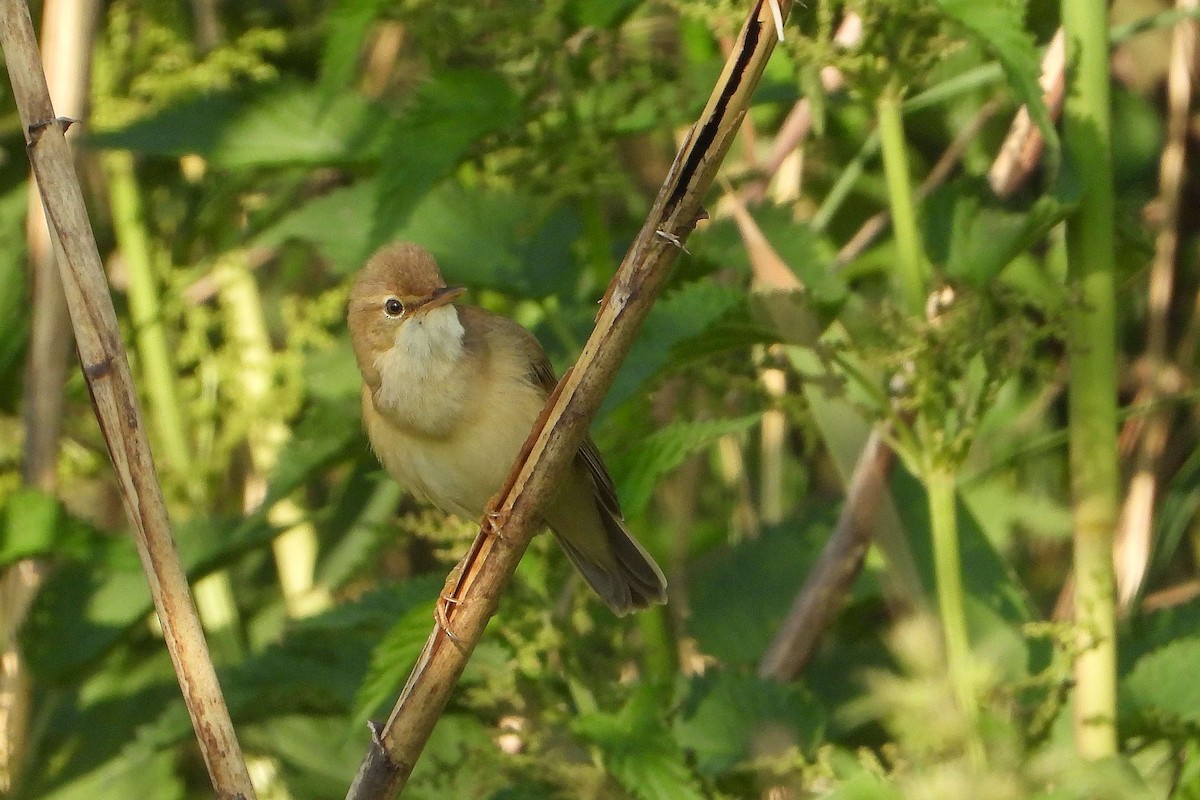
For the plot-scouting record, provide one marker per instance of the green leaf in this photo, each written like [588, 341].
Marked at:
[393, 658]
[682, 315]
[36, 524]
[740, 593]
[639, 750]
[726, 719]
[139, 771]
[1161, 691]
[279, 125]
[487, 239]
[999, 26]
[977, 237]
[452, 111]
[660, 453]
[599, 13]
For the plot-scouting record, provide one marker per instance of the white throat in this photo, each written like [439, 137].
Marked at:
[420, 376]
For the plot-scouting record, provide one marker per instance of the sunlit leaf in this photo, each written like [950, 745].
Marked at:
[273, 126]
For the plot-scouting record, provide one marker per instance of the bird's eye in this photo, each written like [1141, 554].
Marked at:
[393, 307]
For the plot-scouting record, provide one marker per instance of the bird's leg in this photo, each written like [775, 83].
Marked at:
[489, 523]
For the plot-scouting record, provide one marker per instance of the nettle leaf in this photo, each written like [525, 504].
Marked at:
[282, 124]
[452, 111]
[639, 750]
[487, 239]
[393, 658]
[728, 718]
[1000, 27]
[684, 314]
[641, 469]
[740, 593]
[976, 236]
[1161, 690]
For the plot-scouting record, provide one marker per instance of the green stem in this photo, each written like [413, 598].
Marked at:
[150, 336]
[1092, 393]
[910, 261]
[947, 566]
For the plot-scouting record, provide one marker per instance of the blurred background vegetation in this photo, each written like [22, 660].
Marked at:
[242, 160]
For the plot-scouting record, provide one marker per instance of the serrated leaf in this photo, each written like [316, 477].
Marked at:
[452, 111]
[1000, 27]
[740, 594]
[660, 453]
[639, 750]
[977, 237]
[682, 315]
[485, 239]
[393, 658]
[725, 719]
[283, 124]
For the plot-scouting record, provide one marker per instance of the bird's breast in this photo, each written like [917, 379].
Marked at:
[450, 428]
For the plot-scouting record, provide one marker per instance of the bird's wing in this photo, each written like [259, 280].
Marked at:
[541, 374]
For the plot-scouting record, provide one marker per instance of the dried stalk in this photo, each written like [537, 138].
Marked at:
[473, 590]
[67, 27]
[1133, 538]
[110, 383]
[836, 569]
[1022, 148]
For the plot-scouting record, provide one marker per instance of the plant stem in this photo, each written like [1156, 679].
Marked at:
[1092, 386]
[910, 260]
[947, 567]
[154, 352]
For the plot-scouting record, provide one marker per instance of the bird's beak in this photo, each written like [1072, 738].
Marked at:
[440, 297]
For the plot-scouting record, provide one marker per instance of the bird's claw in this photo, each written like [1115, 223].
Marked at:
[443, 621]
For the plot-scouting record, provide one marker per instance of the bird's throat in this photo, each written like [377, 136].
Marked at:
[424, 377]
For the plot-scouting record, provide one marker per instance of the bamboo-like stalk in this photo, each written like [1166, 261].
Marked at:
[67, 28]
[109, 380]
[1092, 392]
[295, 549]
[472, 591]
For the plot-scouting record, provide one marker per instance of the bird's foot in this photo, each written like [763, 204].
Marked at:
[490, 524]
[440, 616]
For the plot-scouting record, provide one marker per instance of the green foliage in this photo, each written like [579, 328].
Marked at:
[522, 143]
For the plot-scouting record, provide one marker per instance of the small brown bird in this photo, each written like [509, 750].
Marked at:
[449, 395]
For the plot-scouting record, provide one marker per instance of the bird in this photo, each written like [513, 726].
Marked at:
[451, 391]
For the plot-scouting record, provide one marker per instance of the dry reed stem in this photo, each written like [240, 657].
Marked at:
[110, 383]
[1022, 148]
[1131, 550]
[67, 27]
[473, 589]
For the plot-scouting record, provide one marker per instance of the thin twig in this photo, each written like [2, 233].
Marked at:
[106, 371]
[474, 591]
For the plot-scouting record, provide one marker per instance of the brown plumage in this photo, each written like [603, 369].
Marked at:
[449, 395]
